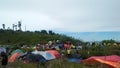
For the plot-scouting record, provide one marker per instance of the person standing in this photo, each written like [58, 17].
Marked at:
[4, 60]
[68, 53]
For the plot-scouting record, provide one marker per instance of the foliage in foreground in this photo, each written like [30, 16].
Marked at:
[57, 63]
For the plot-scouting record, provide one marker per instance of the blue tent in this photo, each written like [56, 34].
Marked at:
[35, 58]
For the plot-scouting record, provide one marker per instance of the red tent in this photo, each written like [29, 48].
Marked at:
[55, 53]
[111, 61]
[13, 57]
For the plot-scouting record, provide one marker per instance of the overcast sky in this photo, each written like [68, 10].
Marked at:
[62, 15]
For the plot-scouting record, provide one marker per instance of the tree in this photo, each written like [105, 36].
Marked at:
[13, 27]
[3, 26]
[51, 32]
[8, 28]
[19, 25]
[44, 32]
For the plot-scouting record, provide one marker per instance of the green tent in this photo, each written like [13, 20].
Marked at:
[17, 51]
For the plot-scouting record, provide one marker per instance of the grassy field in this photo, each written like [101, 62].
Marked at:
[57, 63]
[63, 63]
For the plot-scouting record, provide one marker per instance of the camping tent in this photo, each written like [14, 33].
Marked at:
[111, 61]
[17, 51]
[2, 50]
[46, 55]
[35, 58]
[75, 60]
[55, 53]
[76, 57]
[13, 57]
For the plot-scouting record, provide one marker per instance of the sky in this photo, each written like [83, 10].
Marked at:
[62, 15]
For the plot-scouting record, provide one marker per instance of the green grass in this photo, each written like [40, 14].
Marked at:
[57, 63]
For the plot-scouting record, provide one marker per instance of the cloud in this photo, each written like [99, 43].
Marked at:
[62, 15]
[32, 20]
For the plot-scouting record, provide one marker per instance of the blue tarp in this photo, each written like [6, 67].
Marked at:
[76, 60]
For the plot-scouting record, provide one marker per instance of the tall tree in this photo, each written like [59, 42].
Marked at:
[8, 28]
[51, 32]
[3, 25]
[44, 32]
[13, 27]
[19, 25]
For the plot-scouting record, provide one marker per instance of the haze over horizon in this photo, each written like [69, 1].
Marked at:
[93, 36]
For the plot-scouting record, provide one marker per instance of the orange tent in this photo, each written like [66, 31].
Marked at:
[111, 61]
[13, 57]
